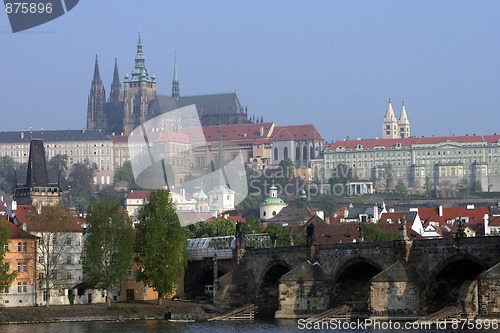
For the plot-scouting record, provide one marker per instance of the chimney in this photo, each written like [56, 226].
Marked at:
[262, 131]
[486, 219]
[22, 135]
[440, 211]
[14, 205]
[327, 220]
[375, 213]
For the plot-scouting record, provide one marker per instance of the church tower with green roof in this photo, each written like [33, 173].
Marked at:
[139, 92]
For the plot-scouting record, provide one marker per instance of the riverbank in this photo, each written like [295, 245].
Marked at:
[102, 312]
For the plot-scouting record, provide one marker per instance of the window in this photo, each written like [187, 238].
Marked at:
[19, 287]
[68, 276]
[68, 241]
[25, 266]
[129, 271]
[68, 259]
[19, 267]
[25, 247]
[25, 287]
[275, 153]
[19, 247]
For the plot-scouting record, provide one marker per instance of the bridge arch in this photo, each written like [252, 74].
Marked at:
[267, 291]
[452, 282]
[202, 274]
[351, 283]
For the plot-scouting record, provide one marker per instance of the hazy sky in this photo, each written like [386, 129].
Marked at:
[331, 63]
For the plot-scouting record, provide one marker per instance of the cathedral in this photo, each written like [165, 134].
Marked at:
[139, 101]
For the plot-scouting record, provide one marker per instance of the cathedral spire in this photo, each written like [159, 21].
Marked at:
[389, 114]
[97, 76]
[403, 118]
[404, 123]
[139, 73]
[175, 82]
[115, 94]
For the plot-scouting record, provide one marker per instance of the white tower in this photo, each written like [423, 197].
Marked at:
[404, 123]
[390, 124]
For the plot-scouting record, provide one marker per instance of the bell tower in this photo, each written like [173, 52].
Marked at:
[390, 124]
[139, 91]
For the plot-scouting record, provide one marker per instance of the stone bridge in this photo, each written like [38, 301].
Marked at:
[396, 278]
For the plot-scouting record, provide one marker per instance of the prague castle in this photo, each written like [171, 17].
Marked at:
[139, 101]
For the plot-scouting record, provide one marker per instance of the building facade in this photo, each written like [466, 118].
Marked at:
[439, 161]
[81, 146]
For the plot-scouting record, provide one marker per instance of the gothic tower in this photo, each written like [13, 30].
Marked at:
[139, 91]
[175, 82]
[390, 124]
[404, 123]
[96, 100]
[115, 94]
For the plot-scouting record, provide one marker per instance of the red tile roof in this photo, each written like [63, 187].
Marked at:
[407, 142]
[494, 221]
[119, 138]
[138, 194]
[15, 231]
[65, 222]
[393, 217]
[230, 132]
[296, 132]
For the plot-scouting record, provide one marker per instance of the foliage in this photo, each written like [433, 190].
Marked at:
[109, 244]
[6, 277]
[374, 233]
[476, 186]
[400, 189]
[385, 177]
[428, 186]
[341, 174]
[125, 174]
[109, 192]
[161, 244]
[252, 200]
[252, 226]
[298, 239]
[463, 187]
[7, 166]
[80, 182]
[286, 171]
[326, 203]
[222, 227]
[58, 164]
[280, 237]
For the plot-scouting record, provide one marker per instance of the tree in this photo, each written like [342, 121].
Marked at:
[463, 187]
[53, 227]
[81, 184]
[279, 235]
[285, 174]
[400, 189]
[7, 167]
[6, 277]
[374, 233]
[428, 186]
[109, 246]
[57, 168]
[341, 174]
[385, 177]
[125, 174]
[252, 226]
[223, 227]
[476, 186]
[161, 244]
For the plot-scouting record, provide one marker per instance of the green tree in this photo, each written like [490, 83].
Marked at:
[109, 246]
[285, 174]
[476, 186]
[7, 167]
[280, 237]
[223, 227]
[400, 189]
[385, 177]
[463, 187]
[252, 226]
[341, 174]
[374, 233]
[161, 244]
[6, 277]
[125, 174]
[428, 186]
[81, 184]
[57, 168]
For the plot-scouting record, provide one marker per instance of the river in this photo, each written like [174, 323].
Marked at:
[140, 326]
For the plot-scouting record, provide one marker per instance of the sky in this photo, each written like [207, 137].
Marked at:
[331, 63]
